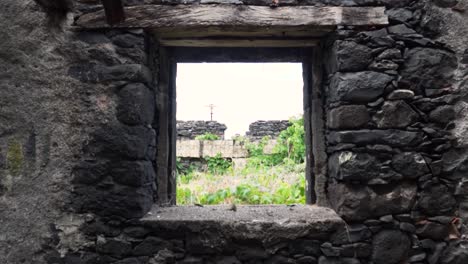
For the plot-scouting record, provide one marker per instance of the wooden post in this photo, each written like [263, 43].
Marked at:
[114, 10]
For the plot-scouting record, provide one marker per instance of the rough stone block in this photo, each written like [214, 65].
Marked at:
[358, 87]
[371, 137]
[123, 142]
[428, 68]
[395, 114]
[119, 200]
[136, 105]
[89, 172]
[412, 165]
[390, 247]
[350, 56]
[348, 116]
[436, 199]
[442, 114]
[133, 173]
[365, 168]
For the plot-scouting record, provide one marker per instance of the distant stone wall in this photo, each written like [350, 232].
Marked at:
[192, 129]
[261, 128]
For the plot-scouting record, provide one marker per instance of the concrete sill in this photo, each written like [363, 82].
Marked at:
[267, 223]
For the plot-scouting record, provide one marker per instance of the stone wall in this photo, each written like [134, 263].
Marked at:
[192, 129]
[77, 144]
[271, 128]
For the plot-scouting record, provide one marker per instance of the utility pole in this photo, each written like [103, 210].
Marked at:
[211, 106]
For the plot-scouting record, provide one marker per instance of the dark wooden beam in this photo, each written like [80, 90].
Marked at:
[114, 11]
[190, 16]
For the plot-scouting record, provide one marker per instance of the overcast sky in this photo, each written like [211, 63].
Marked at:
[242, 92]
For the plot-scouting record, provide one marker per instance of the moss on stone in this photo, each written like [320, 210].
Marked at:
[14, 157]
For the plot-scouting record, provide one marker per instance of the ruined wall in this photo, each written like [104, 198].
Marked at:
[77, 143]
[192, 129]
[271, 128]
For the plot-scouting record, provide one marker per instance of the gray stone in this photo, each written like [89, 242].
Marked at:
[395, 114]
[401, 94]
[456, 253]
[129, 41]
[120, 141]
[305, 246]
[113, 247]
[359, 250]
[446, 3]
[108, 199]
[387, 137]
[348, 116]
[359, 87]
[383, 65]
[436, 200]
[436, 253]
[410, 164]
[442, 114]
[349, 166]
[350, 56]
[98, 73]
[400, 29]
[150, 246]
[417, 258]
[432, 230]
[399, 14]
[407, 227]
[357, 203]
[428, 68]
[136, 105]
[390, 247]
[307, 260]
[90, 171]
[133, 173]
[390, 54]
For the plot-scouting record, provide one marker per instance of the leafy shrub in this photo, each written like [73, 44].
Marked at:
[207, 136]
[218, 164]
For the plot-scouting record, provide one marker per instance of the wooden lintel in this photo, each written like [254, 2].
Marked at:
[114, 11]
[190, 16]
[241, 43]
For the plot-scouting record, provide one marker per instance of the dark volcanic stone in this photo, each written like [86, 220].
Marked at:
[136, 105]
[429, 68]
[133, 173]
[113, 247]
[128, 41]
[151, 246]
[446, 3]
[307, 260]
[410, 164]
[305, 246]
[114, 199]
[400, 29]
[350, 56]
[348, 116]
[395, 114]
[360, 250]
[386, 137]
[383, 65]
[436, 200]
[433, 230]
[456, 253]
[390, 54]
[349, 166]
[122, 141]
[98, 73]
[399, 14]
[442, 114]
[90, 171]
[390, 247]
[359, 87]
[358, 203]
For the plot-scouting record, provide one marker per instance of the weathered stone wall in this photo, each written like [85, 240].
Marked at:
[390, 103]
[192, 129]
[77, 143]
[271, 128]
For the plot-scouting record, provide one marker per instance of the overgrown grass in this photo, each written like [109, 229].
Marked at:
[277, 178]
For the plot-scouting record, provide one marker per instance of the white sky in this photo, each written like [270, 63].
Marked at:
[242, 92]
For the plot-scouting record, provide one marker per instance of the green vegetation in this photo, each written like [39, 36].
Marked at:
[207, 136]
[14, 157]
[275, 178]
